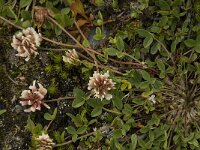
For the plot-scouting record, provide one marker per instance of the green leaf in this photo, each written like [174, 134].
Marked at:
[123, 86]
[138, 101]
[194, 142]
[147, 41]
[80, 98]
[143, 33]
[117, 133]
[142, 143]
[25, 14]
[154, 120]
[69, 2]
[144, 85]
[155, 48]
[164, 5]
[96, 111]
[81, 130]
[55, 113]
[60, 137]
[127, 111]
[2, 2]
[188, 138]
[155, 29]
[161, 65]
[133, 142]
[117, 99]
[157, 85]
[120, 43]
[2, 111]
[112, 51]
[163, 21]
[30, 126]
[74, 137]
[190, 42]
[24, 3]
[65, 11]
[86, 43]
[95, 102]
[71, 130]
[173, 45]
[151, 135]
[197, 48]
[50, 117]
[11, 13]
[145, 75]
[76, 119]
[99, 34]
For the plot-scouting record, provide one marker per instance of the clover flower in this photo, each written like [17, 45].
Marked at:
[100, 84]
[44, 142]
[70, 56]
[34, 97]
[40, 15]
[152, 98]
[26, 43]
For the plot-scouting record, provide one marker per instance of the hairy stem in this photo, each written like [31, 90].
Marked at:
[112, 111]
[59, 99]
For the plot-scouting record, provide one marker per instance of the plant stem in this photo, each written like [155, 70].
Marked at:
[77, 42]
[94, 57]
[169, 54]
[49, 125]
[108, 68]
[64, 49]
[8, 21]
[86, 135]
[58, 43]
[80, 31]
[10, 78]
[112, 111]
[59, 99]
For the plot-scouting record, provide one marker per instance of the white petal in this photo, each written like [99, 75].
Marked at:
[45, 105]
[39, 107]
[27, 110]
[41, 96]
[65, 59]
[108, 96]
[29, 102]
[23, 103]
[25, 94]
[31, 109]
[42, 90]
[33, 87]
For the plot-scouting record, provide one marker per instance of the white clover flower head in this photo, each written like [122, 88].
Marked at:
[152, 98]
[70, 56]
[26, 43]
[95, 129]
[100, 84]
[34, 97]
[44, 142]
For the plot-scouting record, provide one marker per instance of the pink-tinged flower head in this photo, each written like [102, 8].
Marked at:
[100, 84]
[44, 142]
[71, 56]
[26, 43]
[34, 97]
